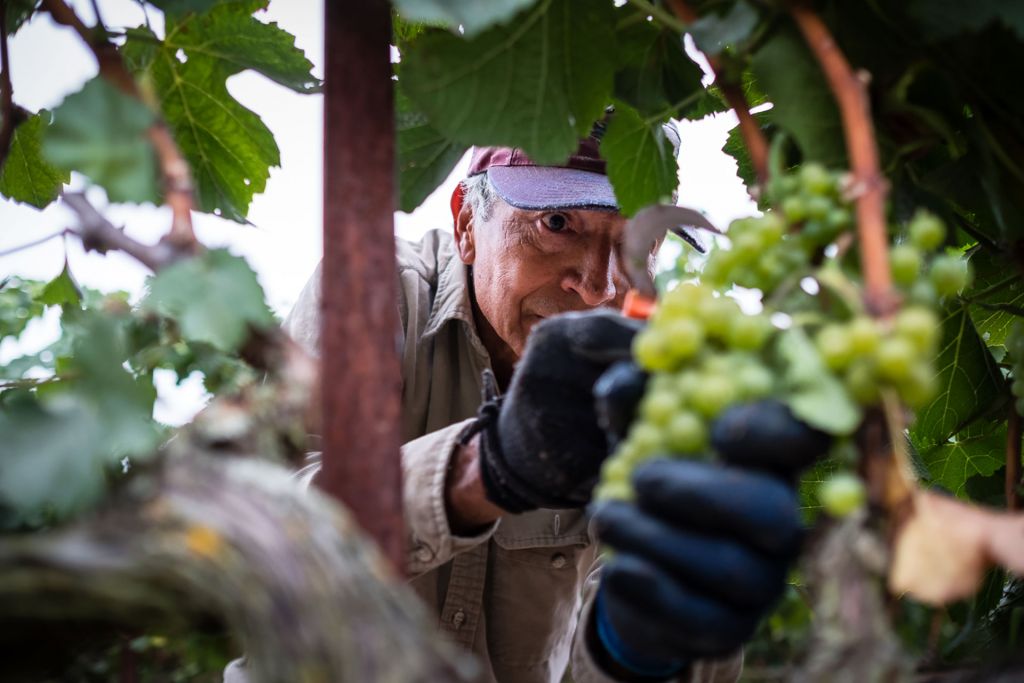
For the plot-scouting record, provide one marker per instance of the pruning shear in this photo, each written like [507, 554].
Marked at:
[642, 232]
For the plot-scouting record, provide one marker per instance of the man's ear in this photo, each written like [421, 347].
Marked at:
[465, 241]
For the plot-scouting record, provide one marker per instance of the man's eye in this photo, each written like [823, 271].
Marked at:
[555, 222]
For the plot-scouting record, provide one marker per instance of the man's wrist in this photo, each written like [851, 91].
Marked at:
[466, 503]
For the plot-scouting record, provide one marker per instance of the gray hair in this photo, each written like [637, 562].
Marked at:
[480, 195]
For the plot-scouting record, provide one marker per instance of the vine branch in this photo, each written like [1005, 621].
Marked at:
[175, 171]
[34, 243]
[753, 137]
[6, 90]
[869, 186]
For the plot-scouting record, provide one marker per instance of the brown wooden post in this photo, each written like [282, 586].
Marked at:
[360, 380]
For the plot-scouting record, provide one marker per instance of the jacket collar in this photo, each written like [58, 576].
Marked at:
[452, 300]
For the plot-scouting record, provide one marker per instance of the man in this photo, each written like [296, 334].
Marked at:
[499, 543]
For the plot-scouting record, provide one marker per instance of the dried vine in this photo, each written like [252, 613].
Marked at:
[6, 90]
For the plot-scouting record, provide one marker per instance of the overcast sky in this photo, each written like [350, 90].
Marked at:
[49, 62]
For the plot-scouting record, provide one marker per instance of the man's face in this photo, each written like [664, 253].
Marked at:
[530, 265]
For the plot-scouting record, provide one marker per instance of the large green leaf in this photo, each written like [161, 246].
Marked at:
[538, 83]
[214, 298]
[61, 290]
[101, 132]
[57, 452]
[713, 33]
[802, 102]
[968, 380]
[18, 12]
[472, 15]
[178, 7]
[233, 38]
[26, 176]
[641, 163]
[228, 147]
[654, 73]
[978, 450]
[813, 393]
[946, 18]
[997, 290]
[425, 157]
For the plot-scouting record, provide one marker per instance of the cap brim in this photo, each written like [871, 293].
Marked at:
[544, 187]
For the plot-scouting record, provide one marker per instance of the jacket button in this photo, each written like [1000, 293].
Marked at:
[424, 554]
[458, 618]
[558, 560]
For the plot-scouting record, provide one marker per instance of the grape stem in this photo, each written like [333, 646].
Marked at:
[753, 137]
[1013, 438]
[175, 170]
[869, 186]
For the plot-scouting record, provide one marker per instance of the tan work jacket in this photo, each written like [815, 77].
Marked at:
[514, 594]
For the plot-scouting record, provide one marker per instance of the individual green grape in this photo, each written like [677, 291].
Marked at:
[715, 394]
[920, 386]
[923, 293]
[686, 433]
[950, 274]
[927, 231]
[835, 346]
[652, 349]
[816, 179]
[749, 332]
[614, 490]
[685, 337]
[646, 438]
[717, 315]
[657, 407]
[864, 336]
[818, 207]
[842, 494]
[687, 383]
[755, 381]
[771, 228]
[905, 261]
[920, 326]
[894, 358]
[794, 208]
[748, 246]
[862, 382]
[683, 300]
[839, 219]
[616, 469]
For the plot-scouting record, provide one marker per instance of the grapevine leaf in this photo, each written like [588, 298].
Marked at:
[19, 305]
[214, 298]
[26, 176]
[179, 7]
[228, 147]
[803, 103]
[737, 149]
[473, 16]
[714, 33]
[101, 132]
[425, 156]
[813, 393]
[238, 41]
[57, 452]
[655, 74]
[946, 18]
[538, 84]
[641, 164]
[968, 381]
[18, 12]
[975, 451]
[996, 284]
[61, 290]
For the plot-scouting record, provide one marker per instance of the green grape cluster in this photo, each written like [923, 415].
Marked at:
[764, 252]
[868, 355]
[704, 354]
[1015, 350]
[947, 274]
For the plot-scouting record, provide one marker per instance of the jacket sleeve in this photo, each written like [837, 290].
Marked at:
[425, 464]
[586, 669]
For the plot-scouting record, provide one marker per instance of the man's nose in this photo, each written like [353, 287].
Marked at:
[594, 281]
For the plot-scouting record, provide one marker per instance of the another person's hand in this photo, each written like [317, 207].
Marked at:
[543, 447]
[702, 553]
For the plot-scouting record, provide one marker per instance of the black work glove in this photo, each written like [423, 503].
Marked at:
[540, 444]
[703, 552]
